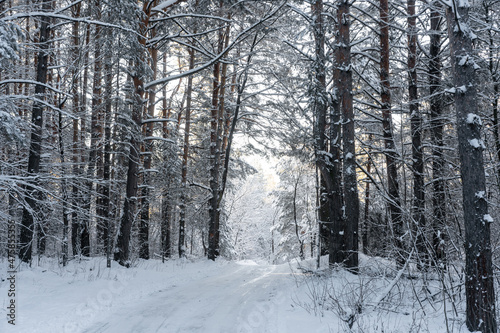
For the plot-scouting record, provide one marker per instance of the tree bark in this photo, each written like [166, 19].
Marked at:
[327, 151]
[107, 163]
[390, 147]
[295, 217]
[320, 109]
[31, 212]
[418, 208]
[95, 162]
[75, 151]
[80, 231]
[479, 284]
[166, 204]
[351, 199]
[130, 203]
[215, 153]
[148, 156]
[366, 217]
[185, 155]
[437, 128]
[232, 119]
[496, 86]
[64, 186]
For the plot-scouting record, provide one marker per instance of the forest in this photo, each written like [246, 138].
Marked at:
[335, 133]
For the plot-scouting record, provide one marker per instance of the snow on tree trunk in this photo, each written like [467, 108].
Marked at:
[185, 155]
[416, 133]
[32, 195]
[351, 199]
[320, 108]
[75, 150]
[106, 191]
[479, 288]
[437, 127]
[390, 147]
[215, 143]
[130, 203]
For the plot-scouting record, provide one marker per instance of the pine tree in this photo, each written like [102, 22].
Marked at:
[390, 146]
[351, 199]
[33, 195]
[479, 288]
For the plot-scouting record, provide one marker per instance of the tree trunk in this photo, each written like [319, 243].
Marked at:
[366, 217]
[64, 186]
[320, 106]
[295, 217]
[130, 203]
[337, 242]
[213, 229]
[106, 192]
[329, 205]
[390, 147]
[148, 156]
[95, 161]
[437, 127]
[215, 153]
[166, 204]
[232, 119]
[416, 134]
[479, 286]
[129, 207]
[75, 193]
[166, 249]
[32, 194]
[324, 224]
[496, 87]
[351, 199]
[185, 155]
[227, 126]
[80, 228]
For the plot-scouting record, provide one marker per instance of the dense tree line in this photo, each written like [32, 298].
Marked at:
[118, 122]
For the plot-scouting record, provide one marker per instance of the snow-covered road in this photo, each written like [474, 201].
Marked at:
[221, 297]
[236, 299]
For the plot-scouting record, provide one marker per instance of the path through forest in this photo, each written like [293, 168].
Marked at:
[176, 297]
[243, 298]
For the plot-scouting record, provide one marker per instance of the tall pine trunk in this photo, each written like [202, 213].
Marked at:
[215, 142]
[33, 196]
[166, 248]
[95, 161]
[75, 149]
[390, 147]
[351, 199]
[148, 157]
[80, 229]
[106, 187]
[215, 154]
[320, 108]
[496, 86]
[479, 283]
[366, 208]
[437, 128]
[185, 155]
[416, 133]
[130, 203]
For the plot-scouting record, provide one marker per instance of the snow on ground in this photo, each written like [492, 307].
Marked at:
[214, 297]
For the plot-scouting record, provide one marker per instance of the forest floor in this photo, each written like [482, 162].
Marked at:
[221, 297]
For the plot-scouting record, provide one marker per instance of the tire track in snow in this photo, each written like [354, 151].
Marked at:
[240, 299]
